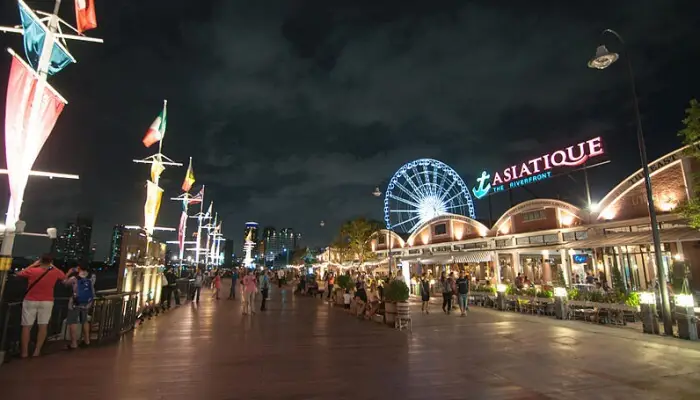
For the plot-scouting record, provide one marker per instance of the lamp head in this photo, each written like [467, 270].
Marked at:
[377, 192]
[603, 58]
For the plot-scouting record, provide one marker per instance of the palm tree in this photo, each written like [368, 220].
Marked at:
[356, 233]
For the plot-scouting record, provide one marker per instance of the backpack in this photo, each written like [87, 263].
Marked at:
[84, 292]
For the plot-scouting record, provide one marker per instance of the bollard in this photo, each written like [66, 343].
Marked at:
[685, 316]
[501, 296]
[560, 307]
[501, 301]
[650, 319]
[560, 303]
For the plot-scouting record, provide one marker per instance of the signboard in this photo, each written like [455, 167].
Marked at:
[537, 169]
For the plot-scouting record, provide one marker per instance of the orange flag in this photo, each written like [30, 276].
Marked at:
[85, 18]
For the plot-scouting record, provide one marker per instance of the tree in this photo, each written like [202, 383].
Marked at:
[356, 234]
[340, 249]
[691, 136]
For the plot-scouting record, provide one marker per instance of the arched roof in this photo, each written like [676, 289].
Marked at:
[637, 178]
[392, 234]
[448, 217]
[537, 204]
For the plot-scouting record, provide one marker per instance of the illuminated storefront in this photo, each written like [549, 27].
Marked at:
[547, 240]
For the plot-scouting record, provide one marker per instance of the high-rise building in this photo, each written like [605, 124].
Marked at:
[115, 244]
[252, 229]
[228, 253]
[73, 245]
[297, 240]
[271, 241]
[286, 239]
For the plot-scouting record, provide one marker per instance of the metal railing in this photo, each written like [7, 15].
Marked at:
[110, 317]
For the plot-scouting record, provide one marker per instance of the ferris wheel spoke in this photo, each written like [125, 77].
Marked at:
[435, 177]
[413, 185]
[410, 203]
[424, 182]
[406, 221]
[452, 198]
[447, 191]
[403, 211]
[408, 192]
[454, 206]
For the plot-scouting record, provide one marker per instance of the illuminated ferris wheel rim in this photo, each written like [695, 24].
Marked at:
[422, 190]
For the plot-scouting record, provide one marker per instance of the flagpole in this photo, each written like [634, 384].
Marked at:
[199, 230]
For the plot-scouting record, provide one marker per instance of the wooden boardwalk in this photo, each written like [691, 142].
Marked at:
[302, 348]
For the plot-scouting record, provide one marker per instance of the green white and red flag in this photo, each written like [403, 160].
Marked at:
[157, 130]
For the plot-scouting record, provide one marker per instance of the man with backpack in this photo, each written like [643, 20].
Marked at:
[38, 301]
[83, 284]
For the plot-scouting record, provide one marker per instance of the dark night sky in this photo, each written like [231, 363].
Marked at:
[294, 110]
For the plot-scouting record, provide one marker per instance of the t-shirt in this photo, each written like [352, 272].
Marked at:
[347, 297]
[462, 285]
[43, 290]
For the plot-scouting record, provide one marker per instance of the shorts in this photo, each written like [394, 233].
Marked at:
[36, 311]
[77, 316]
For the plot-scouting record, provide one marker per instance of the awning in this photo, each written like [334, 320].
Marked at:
[473, 257]
[374, 263]
[634, 238]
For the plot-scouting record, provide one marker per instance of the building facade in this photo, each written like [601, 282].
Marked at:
[549, 240]
[251, 232]
[115, 244]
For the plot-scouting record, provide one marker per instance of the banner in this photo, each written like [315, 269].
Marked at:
[154, 194]
[85, 18]
[181, 230]
[157, 168]
[31, 110]
[34, 36]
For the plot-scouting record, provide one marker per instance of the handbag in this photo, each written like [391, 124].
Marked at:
[37, 281]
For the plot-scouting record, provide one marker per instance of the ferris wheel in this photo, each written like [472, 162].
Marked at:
[424, 189]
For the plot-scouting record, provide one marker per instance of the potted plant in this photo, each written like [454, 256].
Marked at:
[395, 292]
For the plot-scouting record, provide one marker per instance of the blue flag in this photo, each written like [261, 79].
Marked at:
[34, 36]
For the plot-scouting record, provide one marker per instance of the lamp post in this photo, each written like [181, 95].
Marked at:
[603, 59]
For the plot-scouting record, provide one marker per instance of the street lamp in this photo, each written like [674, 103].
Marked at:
[377, 192]
[603, 59]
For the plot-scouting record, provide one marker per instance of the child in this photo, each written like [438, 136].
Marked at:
[346, 299]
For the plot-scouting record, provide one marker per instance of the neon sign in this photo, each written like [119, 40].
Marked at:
[537, 169]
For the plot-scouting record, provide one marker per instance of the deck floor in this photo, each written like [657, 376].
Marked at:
[302, 348]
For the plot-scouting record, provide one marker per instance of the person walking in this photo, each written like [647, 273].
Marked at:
[425, 293]
[331, 285]
[446, 293]
[264, 289]
[249, 289]
[463, 293]
[83, 284]
[234, 280]
[37, 306]
[164, 291]
[198, 282]
[216, 285]
[280, 278]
